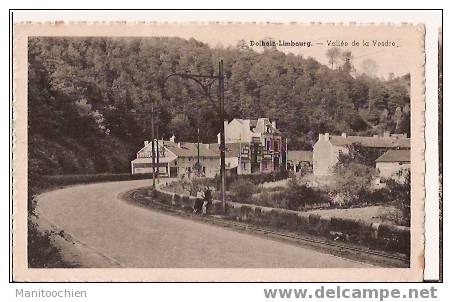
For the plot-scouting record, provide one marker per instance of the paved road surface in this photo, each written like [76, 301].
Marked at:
[137, 237]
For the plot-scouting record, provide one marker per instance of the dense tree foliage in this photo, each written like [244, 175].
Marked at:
[90, 98]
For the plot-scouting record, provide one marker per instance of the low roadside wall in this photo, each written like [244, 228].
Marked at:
[373, 235]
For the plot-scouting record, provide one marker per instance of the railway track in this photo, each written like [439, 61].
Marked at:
[350, 251]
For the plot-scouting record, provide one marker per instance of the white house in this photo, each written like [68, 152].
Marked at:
[394, 164]
[328, 147]
[177, 159]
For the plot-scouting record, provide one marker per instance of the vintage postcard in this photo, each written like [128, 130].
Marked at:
[218, 152]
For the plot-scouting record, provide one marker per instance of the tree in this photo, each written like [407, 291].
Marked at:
[241, 44]
[90, 97]
[333, 54]
[351, 178]
[347, 58]
[369, 67]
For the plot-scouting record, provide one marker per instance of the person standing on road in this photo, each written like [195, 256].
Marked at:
[199, 202]
[207, 201]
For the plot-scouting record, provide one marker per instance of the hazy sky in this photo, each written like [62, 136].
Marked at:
[396, 58]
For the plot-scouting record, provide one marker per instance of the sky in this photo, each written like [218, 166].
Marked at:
[395, 55]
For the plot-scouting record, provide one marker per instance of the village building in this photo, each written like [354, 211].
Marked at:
[232, 154]
[299, 161]
[328, 147]
[177, 159]
[394, 164]
[254, 146]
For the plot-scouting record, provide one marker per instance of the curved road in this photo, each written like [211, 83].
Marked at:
[132, 236]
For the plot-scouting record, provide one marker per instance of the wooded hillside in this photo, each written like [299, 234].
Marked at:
[89, 99]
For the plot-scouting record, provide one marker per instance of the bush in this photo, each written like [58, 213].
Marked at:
[196, 185]
[351, 179]
[401, 194]
[375, 197]
[296, 196]
[41, 252]
[255, 178]
[242, 190]
[190, 186]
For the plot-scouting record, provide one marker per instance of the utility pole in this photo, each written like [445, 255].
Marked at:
[222, 138]
[153, 146]
[158, 154]
[206, 81]
[198, 163]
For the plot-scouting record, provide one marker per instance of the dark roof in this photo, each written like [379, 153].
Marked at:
[395, 156]
[372, 142]
[299, 156]
[190, 149]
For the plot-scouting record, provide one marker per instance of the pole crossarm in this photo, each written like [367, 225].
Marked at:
[205, 81]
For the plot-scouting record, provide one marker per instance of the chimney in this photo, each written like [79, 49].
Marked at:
[386, 134]
[178, 144]
[172, 139]
[344, 134]
[146, 143]
[274, 124]
[320, 136]
[219, 138]
[327, 136]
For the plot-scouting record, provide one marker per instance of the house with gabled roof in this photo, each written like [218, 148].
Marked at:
[328, 147]
[177, 159]
[251, 146]
[256, 145]
[394, 164]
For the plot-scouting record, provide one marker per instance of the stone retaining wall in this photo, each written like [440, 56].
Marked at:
[371, 234]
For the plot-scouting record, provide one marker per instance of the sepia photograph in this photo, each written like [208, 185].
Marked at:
[220, 146]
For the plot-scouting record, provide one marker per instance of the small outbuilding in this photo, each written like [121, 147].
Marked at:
[393, 164]
[299, 161]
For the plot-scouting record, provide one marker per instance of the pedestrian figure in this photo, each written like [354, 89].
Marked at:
[207, 201]
[199, 202]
